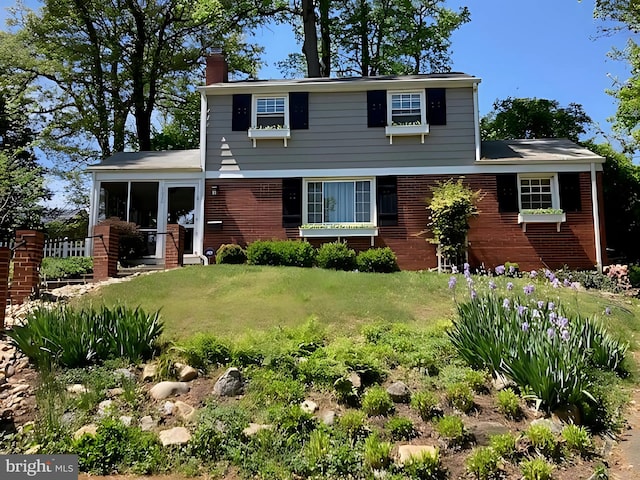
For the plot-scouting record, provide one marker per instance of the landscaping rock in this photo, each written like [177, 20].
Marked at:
[104, 407]
[186, 373]
[355, 380]
[149, 372]
[328, 417]
[9, 371]
[163, 390]
[115, 392]
[174, 436]
[76, 388]
[167, 408]
[501, 382]
[309, 406]
[147, 423]
[229, 384]
[90, 429]
[556, 427]
[254, 428]
[482, 431]
[126, 420]
[185, 411]
[407, 452]
[399, 392]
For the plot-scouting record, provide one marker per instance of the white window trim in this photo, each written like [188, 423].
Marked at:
[368, 229]
[557, 218]
[407, 130]
[255, 133]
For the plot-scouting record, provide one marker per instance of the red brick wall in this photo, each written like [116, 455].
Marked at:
[252, 210]
[174, 246]
[5, 257]
[105, 252]
[27, 258]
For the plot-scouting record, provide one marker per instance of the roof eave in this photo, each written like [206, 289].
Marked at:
[517, 161]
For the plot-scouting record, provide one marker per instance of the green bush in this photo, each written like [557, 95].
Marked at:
[290, 253]
[63, 268]
[381, 260]
[451, 430]
[352, 423]
[424, 467]
[401, 428]
[536, 469]
[460, 396]
[634, 275]
[336, 256]
[590, 279]
[542, 439]
[268, 387]
[377, 453]
[503, 444]
[509, 403]
[230, 253]
[218, 432]
[426, 403]
[577, 439]
[72, 338]
[204, 351]
[483, 463]
[376, 401]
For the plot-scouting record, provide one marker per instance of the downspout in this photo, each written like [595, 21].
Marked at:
[476, 120]
[204, 120]
[596, 217]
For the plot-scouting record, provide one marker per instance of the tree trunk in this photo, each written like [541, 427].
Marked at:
[364, 38]
[325, 38]
[310, 45]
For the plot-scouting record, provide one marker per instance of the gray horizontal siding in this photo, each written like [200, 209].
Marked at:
[338, 137]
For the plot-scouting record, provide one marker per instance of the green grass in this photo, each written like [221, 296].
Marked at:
[230, 299]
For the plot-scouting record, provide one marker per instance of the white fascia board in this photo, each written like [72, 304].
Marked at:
[376, 172]
[337, 86]
[124, 175]
[570, 160]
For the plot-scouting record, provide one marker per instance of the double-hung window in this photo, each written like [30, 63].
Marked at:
[536, 193]
[270, 112]
[339, 202]
[539, 200]
[406, 114]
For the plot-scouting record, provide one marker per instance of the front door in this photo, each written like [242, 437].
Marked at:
[181, 204]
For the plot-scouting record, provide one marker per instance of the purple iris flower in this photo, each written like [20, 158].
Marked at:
[551, 306]
[499, 270]
[509, 286]
[566, 282]
[551, 333]
[506, 304]
[452, 282]
[492, 285]
[565, 335]
[556, 283]
[512, 269]
[521, 310]
[563, 322]
[528, 289]
[607, 311]
[574, 285]
[454, 269]
[553, 316]
[465, 266]
[533, 273]
[525, 326]
[535, 313]
[540, 304]
[474, 294]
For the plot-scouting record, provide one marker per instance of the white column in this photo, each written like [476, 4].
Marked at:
[596, 217]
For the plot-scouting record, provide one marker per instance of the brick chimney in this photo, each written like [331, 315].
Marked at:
[217, 68]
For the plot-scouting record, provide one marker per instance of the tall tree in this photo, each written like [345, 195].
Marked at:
[180, 127]
[102, 62]
[533, 118]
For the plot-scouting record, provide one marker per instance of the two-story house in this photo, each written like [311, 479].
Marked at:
[354, 159]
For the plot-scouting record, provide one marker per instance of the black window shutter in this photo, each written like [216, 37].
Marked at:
[387, 201]
[436, 106]
[376, 108]
[291, 202]
[241, 115]
[507, 185]
[299, 110]
[570, 192]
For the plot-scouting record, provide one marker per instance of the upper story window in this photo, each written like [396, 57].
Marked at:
[406, 115]
[406, 108]
[271, 112]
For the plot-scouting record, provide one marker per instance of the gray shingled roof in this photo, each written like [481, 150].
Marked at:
[537, 150]
[177, 160]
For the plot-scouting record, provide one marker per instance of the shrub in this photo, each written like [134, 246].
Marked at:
[503, 444]
[131, 243]
[424, 467]
[426, 403]
[536, 469]
[316, 450]
[352, 423]
[204, 351]
[451, 429]
[460, 396]
[483, 463]
[267, 387]
[508, 403]
[336, 256]
[72, 338]
[577, 439]
[634, 275]
[376, 401]
[217, 430]
[381, 260]
[231, 253]
[401, 428]
[63, 268]
[281, 252]
[541, 438]
[377, 454]
[590, 279]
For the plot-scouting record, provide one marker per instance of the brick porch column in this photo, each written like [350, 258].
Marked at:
[5, 258]
[105, 252]
[27, 258]
[174, 246]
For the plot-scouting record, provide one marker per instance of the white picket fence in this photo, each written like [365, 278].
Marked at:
[59, 247]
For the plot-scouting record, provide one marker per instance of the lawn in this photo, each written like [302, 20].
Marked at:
[230, 299]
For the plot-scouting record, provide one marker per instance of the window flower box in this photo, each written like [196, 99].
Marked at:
[421, 129]
[269, 133]
[324, 230]
[542, 215]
